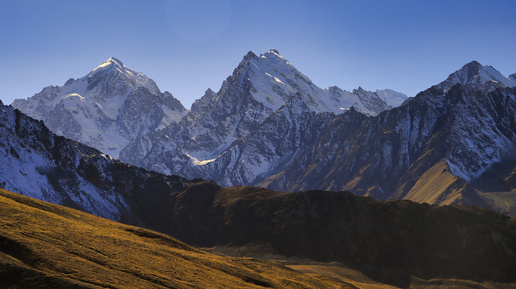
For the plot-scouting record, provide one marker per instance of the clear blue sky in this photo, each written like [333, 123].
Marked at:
[189, 46]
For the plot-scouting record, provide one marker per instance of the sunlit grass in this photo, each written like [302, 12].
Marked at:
[72, 247]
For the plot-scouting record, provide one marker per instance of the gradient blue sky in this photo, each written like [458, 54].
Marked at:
[189, 46]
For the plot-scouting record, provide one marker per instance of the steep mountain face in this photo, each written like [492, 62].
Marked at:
[266, 150]
[265, 113]
[37, 163]
[106, 109]
[426, 150]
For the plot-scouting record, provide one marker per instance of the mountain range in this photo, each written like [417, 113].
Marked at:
[451, 144]
[270, 126]
[119, 111]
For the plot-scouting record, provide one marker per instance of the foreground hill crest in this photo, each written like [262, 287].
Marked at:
[56, 247]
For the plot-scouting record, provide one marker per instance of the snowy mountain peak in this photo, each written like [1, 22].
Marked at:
[475, 72]
[106, 109]
[274, 57]
[273, 53]
[111, 63]
[473, 65]
[115, 61]
[476, 75]
[114, 73]
[271, 58]
[269, 79]
[273, 80]
[250, 55]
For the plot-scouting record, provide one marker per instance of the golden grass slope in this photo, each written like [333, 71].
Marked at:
[437, 186]
[48, 246]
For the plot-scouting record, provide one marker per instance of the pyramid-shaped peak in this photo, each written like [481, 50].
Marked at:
[473, 64]
[246, 60]
[474, 73]
[249, 55]
[111, 64]
[271, 56]
[114, 70]
[115, 61]
[112, 61]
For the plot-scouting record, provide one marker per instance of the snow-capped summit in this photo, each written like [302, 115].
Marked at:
[274, 80]
[476, 75]
[114, 70]
[106, 109]
[272, 77]
[110, 66]
[112, 61]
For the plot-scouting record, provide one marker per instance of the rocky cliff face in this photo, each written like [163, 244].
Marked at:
[266, 150]
[106, 109]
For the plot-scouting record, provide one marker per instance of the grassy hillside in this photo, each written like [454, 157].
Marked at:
[48, 246]
[43, 245]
